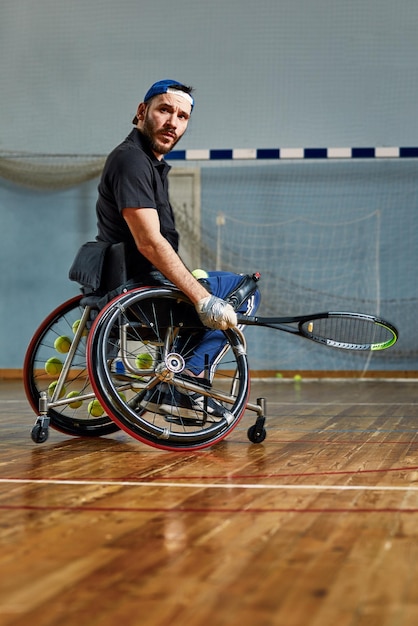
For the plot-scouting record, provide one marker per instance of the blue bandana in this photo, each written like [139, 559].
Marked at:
[168, 86]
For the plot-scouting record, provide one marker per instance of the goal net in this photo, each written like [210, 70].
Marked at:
[325, 236]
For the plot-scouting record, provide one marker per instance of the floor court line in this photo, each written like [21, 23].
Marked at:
[207, 510]
[199, 485]
[330, 403]
[326, 403]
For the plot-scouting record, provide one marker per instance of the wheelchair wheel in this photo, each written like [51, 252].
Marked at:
[137, 355]
[58, 370]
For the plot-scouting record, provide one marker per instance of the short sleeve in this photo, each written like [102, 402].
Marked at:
[133, 180]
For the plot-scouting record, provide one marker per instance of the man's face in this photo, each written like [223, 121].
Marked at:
[164, 121]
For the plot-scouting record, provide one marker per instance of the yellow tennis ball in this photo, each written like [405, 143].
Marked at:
[75, 328]
[143, 361]
[51, 389]
[76, 404]
[95, 408]
[198, 273]
[62, 344]
[297, 378]
[53, 366]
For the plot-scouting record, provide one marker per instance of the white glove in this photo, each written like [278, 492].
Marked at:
[216, 313]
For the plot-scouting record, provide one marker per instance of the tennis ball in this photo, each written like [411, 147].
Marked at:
[75, 328]
[143, 361]
[297, 378]
[77, 403]
[198, 273]
[279, 375]
[62, 344]
[51, 389]
[95, 408]
[53, 366]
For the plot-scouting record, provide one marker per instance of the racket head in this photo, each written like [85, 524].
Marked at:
[349, 331]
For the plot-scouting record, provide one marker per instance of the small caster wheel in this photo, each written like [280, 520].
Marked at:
[39, 434]
[256, 434]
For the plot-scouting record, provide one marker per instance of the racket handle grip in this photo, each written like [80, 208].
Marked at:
[243, 290]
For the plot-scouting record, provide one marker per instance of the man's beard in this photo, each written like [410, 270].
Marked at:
[148, 129]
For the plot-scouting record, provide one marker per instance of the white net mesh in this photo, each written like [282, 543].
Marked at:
[324, 236]
[49, 171]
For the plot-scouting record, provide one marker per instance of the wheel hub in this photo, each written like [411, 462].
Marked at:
[175, 362]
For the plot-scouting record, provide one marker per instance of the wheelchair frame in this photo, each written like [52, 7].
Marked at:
[101, 384]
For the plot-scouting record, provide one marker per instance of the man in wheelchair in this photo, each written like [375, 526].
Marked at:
[133, 208]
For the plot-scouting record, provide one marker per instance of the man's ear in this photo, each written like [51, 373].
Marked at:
[140, 113]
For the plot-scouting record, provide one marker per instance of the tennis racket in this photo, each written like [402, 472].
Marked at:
[348, 331]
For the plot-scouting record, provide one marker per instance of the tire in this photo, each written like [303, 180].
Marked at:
[162, 323]
[63, 417]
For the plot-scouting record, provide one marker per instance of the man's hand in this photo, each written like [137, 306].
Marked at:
[216, 313]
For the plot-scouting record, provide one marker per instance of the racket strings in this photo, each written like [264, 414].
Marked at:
[347, 332]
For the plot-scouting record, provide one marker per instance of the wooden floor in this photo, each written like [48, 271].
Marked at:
[317, 526]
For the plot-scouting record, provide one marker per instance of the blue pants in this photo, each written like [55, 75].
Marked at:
[210, 348]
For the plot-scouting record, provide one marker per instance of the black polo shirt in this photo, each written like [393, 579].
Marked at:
[133, 178]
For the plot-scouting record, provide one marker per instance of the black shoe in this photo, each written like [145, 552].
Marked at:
[155, 397]
[166, 400]
[192, 405]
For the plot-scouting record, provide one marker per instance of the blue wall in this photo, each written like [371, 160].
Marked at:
[40, 232]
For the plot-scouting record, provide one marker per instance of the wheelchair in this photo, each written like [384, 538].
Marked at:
[88, 372]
